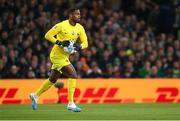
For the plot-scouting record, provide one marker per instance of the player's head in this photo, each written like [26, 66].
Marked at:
[74, 15]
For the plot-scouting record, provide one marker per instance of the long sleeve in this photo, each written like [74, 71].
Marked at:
[50, 35]
[83, 39]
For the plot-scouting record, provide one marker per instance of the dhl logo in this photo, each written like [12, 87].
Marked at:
[107, 95]
[8, 96]
[167, 95]
[91, 95]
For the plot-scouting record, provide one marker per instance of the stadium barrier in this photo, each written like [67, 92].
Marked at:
[95, 91]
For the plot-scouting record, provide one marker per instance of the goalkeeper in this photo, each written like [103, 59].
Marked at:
[64, 35]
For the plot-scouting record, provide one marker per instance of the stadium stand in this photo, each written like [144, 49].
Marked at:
[127, 39]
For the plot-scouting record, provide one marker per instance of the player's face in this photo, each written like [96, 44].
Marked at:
[76, 16]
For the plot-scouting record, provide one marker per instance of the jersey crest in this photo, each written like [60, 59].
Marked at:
[72, 33]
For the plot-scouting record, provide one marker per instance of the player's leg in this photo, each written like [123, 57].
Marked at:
[70, 72]
[44, 87]
[49, 82]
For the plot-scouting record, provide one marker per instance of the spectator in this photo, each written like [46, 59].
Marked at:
[95, 71]
[154, 72]
[176, 70]
[146, 70]
[14, 72]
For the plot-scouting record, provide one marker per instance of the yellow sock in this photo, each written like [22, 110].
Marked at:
[45, 86]
[71, 88]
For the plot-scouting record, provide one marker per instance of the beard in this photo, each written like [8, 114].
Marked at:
[77, 20]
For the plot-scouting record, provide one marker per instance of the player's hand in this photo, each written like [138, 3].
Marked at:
[65, 43]
[70, 49]
[77, 46]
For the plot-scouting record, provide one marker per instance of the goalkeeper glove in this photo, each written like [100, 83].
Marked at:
[70, 48]
[63, 43]
[77, 46]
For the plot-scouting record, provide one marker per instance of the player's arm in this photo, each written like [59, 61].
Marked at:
[83, 40]
[50, 35]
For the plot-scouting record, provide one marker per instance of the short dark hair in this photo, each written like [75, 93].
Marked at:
[71, 10]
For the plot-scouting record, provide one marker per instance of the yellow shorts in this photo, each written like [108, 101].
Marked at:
[58, 63]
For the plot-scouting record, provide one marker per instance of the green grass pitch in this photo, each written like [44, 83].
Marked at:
[92, 112]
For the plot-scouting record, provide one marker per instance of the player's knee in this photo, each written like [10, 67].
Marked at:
[74, 76]
[53, 79]
[54, 76]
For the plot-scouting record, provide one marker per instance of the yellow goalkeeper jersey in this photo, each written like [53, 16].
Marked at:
[65, 31]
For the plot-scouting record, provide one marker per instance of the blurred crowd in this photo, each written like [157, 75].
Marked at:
[127, 38]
